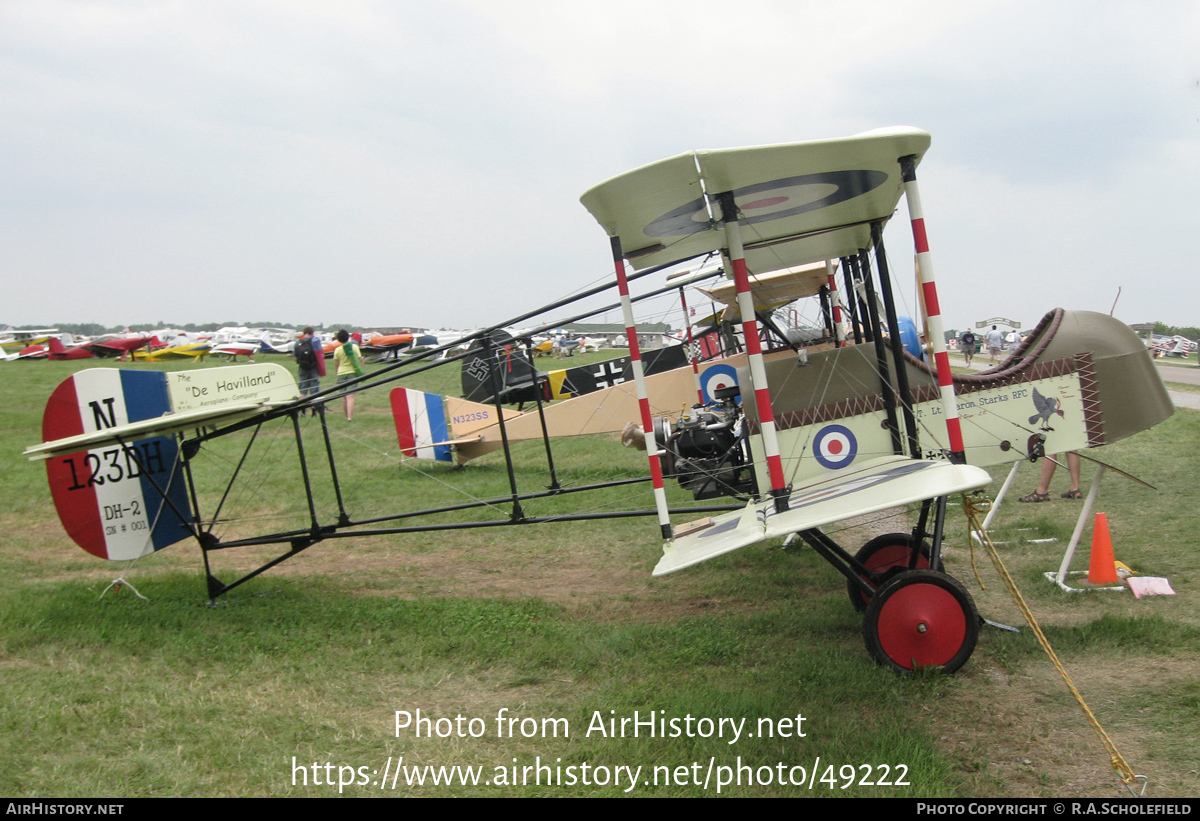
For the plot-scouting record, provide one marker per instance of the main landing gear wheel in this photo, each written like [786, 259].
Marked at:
[883, 553]
[921, 619]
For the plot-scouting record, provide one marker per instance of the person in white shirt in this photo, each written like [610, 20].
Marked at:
[994, 340]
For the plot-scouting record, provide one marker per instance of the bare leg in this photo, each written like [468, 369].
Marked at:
[1042, 493]
[1048, 467]
[1075, 466]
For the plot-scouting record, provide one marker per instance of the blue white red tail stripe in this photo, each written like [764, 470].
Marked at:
[421, 424]
[110, 499]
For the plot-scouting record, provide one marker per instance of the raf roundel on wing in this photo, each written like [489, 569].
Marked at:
[776, 199]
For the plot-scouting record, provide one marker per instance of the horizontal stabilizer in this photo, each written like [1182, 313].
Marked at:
[181, 400]
[880, 484]
[466, 417]
[164, 425]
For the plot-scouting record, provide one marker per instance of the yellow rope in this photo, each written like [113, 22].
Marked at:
[972, 507]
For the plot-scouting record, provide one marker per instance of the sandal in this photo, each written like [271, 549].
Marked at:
[1073, 494]
[1035, 497]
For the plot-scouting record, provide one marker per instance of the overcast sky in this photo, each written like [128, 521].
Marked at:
[396, 163]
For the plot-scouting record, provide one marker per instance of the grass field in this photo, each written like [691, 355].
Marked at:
[563, 628]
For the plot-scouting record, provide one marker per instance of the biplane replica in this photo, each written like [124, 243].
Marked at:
[752, 431]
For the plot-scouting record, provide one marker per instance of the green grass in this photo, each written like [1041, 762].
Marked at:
[1175, 361]
[1182, 386]
[173, 699]
[117, 696]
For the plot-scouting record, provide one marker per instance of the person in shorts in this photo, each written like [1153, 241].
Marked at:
[994, 339]
[967, 346]
[310, 357]
[348, 359]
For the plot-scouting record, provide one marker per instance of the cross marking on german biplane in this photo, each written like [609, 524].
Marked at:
[614, 375]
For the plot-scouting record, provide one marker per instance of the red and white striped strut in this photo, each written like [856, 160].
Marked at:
[937, 337]
[691, 348]
[758, 372]
[839, 333]
[639, 379]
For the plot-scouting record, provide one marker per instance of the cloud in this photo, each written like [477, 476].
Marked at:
[408, 163]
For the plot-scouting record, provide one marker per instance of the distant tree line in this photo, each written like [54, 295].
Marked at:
[96, 329]
[1190, 331]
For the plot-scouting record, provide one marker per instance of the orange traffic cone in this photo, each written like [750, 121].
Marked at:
[1103, 568]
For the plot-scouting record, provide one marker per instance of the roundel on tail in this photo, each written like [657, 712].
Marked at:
[716, 377]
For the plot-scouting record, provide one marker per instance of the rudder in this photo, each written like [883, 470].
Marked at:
[119, 501]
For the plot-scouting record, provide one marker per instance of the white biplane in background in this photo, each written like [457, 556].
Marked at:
[1173, 346]
[799, 430]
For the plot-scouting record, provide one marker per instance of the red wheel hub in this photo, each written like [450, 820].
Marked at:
[921, 625]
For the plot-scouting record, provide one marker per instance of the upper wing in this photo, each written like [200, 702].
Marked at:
[799, 202]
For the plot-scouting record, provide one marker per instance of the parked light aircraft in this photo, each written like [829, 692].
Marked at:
[34, 351]
[179, 349]
[383, 346]
[235, 349]
[1173, 346]
[104, 347]
[56, 350]
[800, 437]
[12, 341]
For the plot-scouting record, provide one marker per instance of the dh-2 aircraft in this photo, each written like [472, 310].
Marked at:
[773, 434]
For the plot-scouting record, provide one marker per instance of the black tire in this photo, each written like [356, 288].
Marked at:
[921, 620]
[883, 553]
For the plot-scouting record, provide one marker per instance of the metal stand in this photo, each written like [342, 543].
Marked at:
[1060, 578]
